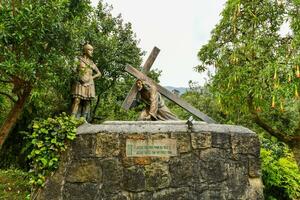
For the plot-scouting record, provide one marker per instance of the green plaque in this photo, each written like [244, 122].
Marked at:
[149, 147]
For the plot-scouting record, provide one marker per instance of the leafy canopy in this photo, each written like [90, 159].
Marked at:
[257, 68]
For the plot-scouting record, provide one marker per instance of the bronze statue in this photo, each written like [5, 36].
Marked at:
[161, 90]
[83, 89]
[155, 107]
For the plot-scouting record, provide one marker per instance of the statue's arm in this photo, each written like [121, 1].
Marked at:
[135, 103]
[98, 73]
[80, 73]
[153, 102]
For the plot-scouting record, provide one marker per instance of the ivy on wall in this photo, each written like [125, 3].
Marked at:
[48, 140]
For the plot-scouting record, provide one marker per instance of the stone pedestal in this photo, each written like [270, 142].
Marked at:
[158, 161]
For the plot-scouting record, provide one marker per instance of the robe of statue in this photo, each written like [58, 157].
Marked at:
[155, 105]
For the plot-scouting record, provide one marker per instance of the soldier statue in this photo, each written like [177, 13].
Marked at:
[83, 88]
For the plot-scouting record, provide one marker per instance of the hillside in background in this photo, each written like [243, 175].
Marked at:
[180, 89]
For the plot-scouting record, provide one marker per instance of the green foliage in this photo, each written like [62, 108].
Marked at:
[14, 184]
[203, 100]
[281, 175]
[256, 67]
[109, 105]
[13, 154]
[48, 140]
[115, 46]
[257, 80]
[37, 41]
[39, 44]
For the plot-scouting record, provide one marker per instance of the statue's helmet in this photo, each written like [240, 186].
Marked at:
[87, 46]
[88, 49]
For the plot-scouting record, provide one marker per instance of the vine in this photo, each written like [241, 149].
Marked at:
[48, 140]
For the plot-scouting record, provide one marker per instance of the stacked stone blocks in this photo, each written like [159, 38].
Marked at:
[212, 162]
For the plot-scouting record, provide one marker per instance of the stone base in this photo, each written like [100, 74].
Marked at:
[210, 162]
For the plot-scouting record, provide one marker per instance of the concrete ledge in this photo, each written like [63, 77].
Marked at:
[159, 126]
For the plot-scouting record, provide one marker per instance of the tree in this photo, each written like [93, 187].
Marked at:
[41, 40]
[36, 39]
[280, 173]
[257, 69]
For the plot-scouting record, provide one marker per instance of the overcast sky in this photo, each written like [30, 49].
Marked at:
[178, 28]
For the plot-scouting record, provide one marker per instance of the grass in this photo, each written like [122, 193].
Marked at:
[14, 184]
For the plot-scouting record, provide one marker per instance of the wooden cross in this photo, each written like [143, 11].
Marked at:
[146, 68]
[166, 93]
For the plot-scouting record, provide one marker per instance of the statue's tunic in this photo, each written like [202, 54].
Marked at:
[84, 87]
[155, 105]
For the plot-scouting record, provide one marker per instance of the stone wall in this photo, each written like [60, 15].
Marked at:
[211, 162]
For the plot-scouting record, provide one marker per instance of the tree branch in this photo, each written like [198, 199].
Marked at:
[297, 131]
[8, 96]
[5, 81]
[260, 122]
[4, 73]
[13, 7]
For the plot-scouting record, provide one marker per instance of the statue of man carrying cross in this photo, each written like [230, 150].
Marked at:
[142, 76]
[155, 106]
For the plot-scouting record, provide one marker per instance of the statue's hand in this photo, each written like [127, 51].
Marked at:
[147, 118]
[81, 81]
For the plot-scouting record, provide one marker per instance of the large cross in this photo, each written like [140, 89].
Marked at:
[146, 68]
[166, 93]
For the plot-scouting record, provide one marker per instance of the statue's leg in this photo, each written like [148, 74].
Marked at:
[75, 106]
[86, 107]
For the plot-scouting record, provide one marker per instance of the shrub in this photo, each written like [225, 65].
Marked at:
[48, 140]
[281, 175]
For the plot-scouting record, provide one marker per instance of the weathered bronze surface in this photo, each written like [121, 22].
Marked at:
[83, 89]
[146, 68]
[166, 93]
[155, 107]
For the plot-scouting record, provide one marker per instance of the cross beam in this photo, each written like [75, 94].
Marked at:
[166, 93]
[146, 68]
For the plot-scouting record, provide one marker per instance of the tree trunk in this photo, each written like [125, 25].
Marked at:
[292, 141]
[295, 146]
[13, 115]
